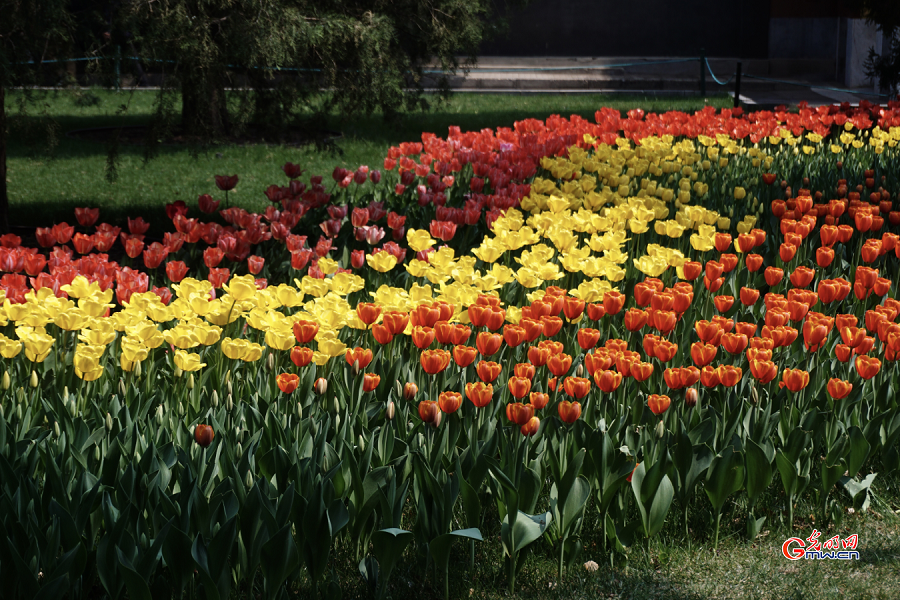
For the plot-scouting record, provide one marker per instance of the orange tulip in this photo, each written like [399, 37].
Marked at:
[301, 356]
[664, 321]
[577, 387]
[519, 386]
[526, 370]
[488, 371]
[479, 393]
[867, 366]
[773, 275]
[658, 403]
[368, 313]
[287, 382]
[729, 376]
[613, 302]
[795, 379]
[429, 411]
[538, 356]
[749, 296]
[666, 350]
[382, 334]
[514, 335]
[538, 400]
[519, 413]
[450, 402]
[559, 364]
[595, 312]
[753, 262]
[824, 256]
[838, 388]
[588, 338]
[641, 371]
[203, 435]
[464, 355]
[363, 355]
[692, 270]
[573, 307]
[569, 411]
[709, 376]
[703, 354]
[422, 336]
[734, 343]
[723, 303]
[409, 391]
[305, 331]
[608, 381]
[460, 334]
[802, 276]
[531, 427]
[396, 321]
[370, 381]
[488, 343]
[434, 361]
[763, 371]
[551, 325]
[635, 319]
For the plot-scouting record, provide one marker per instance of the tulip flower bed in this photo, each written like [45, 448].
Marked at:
[624, 319]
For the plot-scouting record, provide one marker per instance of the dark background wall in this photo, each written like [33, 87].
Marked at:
[724, 28]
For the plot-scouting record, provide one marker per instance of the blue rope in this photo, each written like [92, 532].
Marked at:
[726, 82]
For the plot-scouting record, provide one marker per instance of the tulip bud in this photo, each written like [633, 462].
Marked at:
[56, 429]
[228, 378]
[270, 362]
[122, 389]
[229, 387]
[660, 429]
[144, 542]
[181, 408]
[34, 379]
[249, 481]
[137, 369]
[96, 452]
[191, 382]
[437, 420]
[299, 411]
[337, 422]
[356, 368]
[579, 370]
[361, 442]
[6, 381]
[398, 388]
[159, 415]
[72, 408]
[238, 451]
[337, 405]
[754, 395]
[409, 391]
[20, 394]
[178, 372]
[321, 386]
[19, 412]
[109, 422]
[690, 397]
[284, 421]
[229, 403]
[409, 426]
[215, 399]
[2, 412]
[389, 413]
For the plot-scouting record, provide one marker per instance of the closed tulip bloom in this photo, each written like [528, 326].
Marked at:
[753, 262]
[531, 427]
[588, 338]
[422, 336]
[434, 361]
[595, 312]
[396, 321]
[450, 402]
[852, 336]
[641, 371]
[664, 321]
[795, 379]
[514, 335]
[538, 400]
[305, 331]
[301, 356]
[635, 319]
[749, 296]
[709, 377]
[658, 403]
[824, 256]
[559, 364]
[363, 355]
[814, 335]
[488, 343]
[464, 355]
[838, 388]
[613, 302]
[382, 334]
[608, 381]
[287, 382]
[533, 329]
[729, 376]
[723, 303]
[802, 276]
[479, 393]
[866, 346]
[573, 307]
[526, 370]
[519, 387]
[203, 435]
[370, 381]
[867, 366]
[773, 275]
[763, 371]
[666, 350]
[368, 313]
[569, 412]
[702, 354]
[519, 413]
[429, 411]
[488, 371]
[551, 325]
[577, 387]
[734, 343]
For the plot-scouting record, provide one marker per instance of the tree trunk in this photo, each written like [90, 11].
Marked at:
[4, 198]
[204, 113]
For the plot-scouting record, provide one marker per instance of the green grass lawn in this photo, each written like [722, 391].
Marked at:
[46, 186]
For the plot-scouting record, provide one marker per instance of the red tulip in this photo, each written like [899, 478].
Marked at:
[370, 381]
[569, 411]
[203, 435]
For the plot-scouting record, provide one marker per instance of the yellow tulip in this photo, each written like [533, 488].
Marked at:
[382, 262]
[241, 288]
[187, 361]
[37, 343]
[280, 339]
[419, 240]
